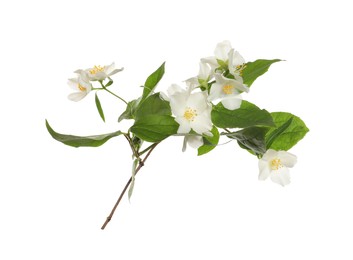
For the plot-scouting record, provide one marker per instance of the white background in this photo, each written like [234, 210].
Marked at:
[54, 198]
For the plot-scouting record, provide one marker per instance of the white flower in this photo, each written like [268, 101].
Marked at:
[275, 164]
[226, 57]
[221, 55]
[191, 110]
[228, 91]
[204, 76]
[82, 85]
[236, 63]
[100, 73]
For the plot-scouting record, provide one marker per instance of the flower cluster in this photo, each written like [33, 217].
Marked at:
[82, 83]
[221, 76]
[210, 107]
[219, 79]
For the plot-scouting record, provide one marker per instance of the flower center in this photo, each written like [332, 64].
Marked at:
[190, 114]
[276, 164]
[228, 89]
[80, 87]
[96, 69]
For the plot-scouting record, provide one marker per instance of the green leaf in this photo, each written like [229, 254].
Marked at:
[209, 142]
[247, 115]
[132, 184]
[99, 107]
[152, 81]
[77, 141]
[153, 105]
[255, 69]
[251, 138]
[130, 110]
[277, 132]
[154, 128]
[289, 130]
[110, 82]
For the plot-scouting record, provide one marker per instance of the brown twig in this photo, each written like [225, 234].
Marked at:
[134, 151]
[141, 164]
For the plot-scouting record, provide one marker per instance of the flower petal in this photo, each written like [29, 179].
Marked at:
[281, 176]
[202, 123]
[73, 83]
[232, 103]
[115, 71]
[235, 59]
[222, 50]
[205, 71]
[215, 92]
[194, 141]
[79, 71]
[212, 61]
[197, 101]
[109, 68]
[269, 155]
[84, 75]
[77, 96]
[100, 75]
[174, 89]
[192, 83]
[178, 104]
[86, 84]
[184, 125]
[264, 170]
[184, 143]
[237, 84]
[287, 159]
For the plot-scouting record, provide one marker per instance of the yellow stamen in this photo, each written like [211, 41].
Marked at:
[190, 114]
[96, 69]
[240, 69]
[228, 89]
[80, 87]
[276, 164]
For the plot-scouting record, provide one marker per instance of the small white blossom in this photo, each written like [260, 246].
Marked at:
[204, 76]
[236, 63]
[100, 73]
[221, 55]
[228, 91]
[82, 86]
[226, 57]
[192, 110]
[275, 164]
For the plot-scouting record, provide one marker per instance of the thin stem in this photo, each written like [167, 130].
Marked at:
[148, 148]
[112, 93]
[141, 164]
[134, 152]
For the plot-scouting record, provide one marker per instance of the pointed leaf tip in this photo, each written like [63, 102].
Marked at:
[152, 81]
[255, 69]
